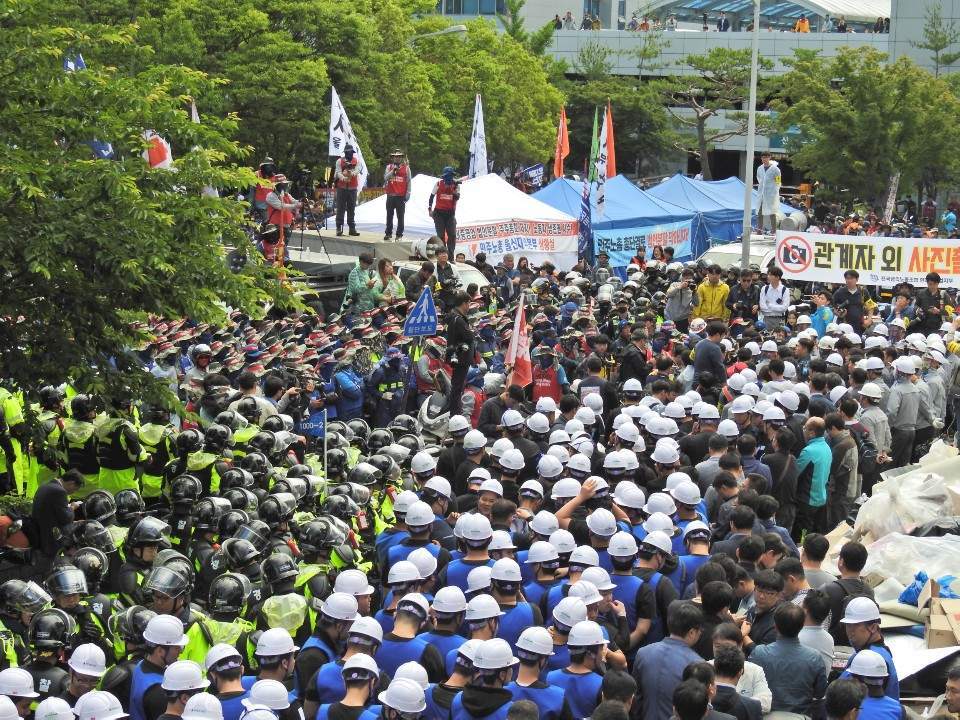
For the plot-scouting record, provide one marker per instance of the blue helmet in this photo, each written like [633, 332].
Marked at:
[475, 377]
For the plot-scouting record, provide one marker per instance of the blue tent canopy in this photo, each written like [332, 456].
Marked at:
[730, 190]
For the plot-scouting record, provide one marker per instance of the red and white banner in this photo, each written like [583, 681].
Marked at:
[518, 353]
[158, 153]
[538, 241]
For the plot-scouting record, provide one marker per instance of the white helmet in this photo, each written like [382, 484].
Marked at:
[457, 424]
[599, 578]
[8, 711]
[539, 552]
[546, 404]
[483, 607]
[659, 521]
[549, 467]
[474, 440]
[184, 675]
[439, 485]
[419, 515]
[536, 639]
[602, 522]
[660, 503]
[403, 572]
[404, 500]
[478, 579]
[449, 599]
[868, 664]
[628, 495]
[512, 460]
[257, 712]
[544, 523]
[563, 541]
[359, 665]
[565, 488]
[506, 570]
[659, 540]
[339, 606]
[94, 705]
[493, 486]
[367, 627]
[277, 641]
[532, 486]
[405, 696]
[623, 544]
[353, 582]
[500, 446]
[584, 555]
[586, 633]
[586, 591]
[17, 682]
[477, 529]
[871, 390]
[54, 708]
[501, 540]
[413, 670]
[425, 561]
[423, 462]
[579, 463]
[204, 706]
[538, 423]
[220, 652]
[493, 655]
[165, 630]
[569, 611]
[511, 419]
[559, 437]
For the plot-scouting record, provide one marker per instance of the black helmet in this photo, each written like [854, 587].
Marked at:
[299, 487]
[336, 463]
[255, 463]
[264, 442]
[51, 629]
[100, 505]
[168, 581]
[273, 424]
[130, 507]
[82, 405]
[50, 397]
[131, 623]
[9, 591]
[231, 419]
[239, 553]
[389, 470]
[154, 414]
[336, 426]
[235, 477]
[255, 531]
[365, 474]
[249, 409]
[229, 593]
[361, 431]
[148, 531]
[404, 425]
[189, 441]
[320, 534]
[379, 438]
[185, 490]
[277, 509]
[66, 580]
[230, 521]
[336, 439]
[177, 562]
[29, 597]
[207, 513]
[299, 470]
[242, 499]
[278, 568]
[218, 437]
[340, 506]
[358, 493]
[413, 443]
[93, 534]
[93, 563]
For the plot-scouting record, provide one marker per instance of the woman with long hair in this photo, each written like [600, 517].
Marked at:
[388, 287]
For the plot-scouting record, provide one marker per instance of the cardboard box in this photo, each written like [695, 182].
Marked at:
[942, 628]
[938, 633]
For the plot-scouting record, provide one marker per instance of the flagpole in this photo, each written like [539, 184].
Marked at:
[751, 143]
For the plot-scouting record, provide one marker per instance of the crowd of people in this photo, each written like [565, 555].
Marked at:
[640, 22]
[343, 522]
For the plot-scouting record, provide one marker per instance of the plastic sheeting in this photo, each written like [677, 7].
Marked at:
[899, 556]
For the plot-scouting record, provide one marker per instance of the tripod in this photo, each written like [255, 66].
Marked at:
[309, 216]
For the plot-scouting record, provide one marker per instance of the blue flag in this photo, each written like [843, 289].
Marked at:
[585, 236]
[101, 150]
[72, 63]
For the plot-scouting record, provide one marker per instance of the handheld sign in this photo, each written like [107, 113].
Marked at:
[422, 320]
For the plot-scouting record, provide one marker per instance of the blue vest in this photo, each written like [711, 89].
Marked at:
[385, 619]
[526, 570]
[893, 683]
[534, 591]
[457, 571]
[329, 684]
[605, 562]
[554, 595]
[515, 621]
[656, 632]
[386, 540]
[318, 642]
[458, 712]
[400, 551]
[581, 691]
[443, 642]
[881, 708]
[139, 684]
[560, 658]
[626, 592]
[232, 707]
[394, 653]
[433, 711]
[686, 572]
[548, 699]
[371, 713]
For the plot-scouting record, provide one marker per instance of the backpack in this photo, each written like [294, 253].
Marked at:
[867, 453]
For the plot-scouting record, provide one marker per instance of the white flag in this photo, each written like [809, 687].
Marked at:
[478, 142]
[341, 135]
[207, 191]
[602, 164]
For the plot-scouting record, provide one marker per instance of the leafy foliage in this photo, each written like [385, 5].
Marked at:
[938, 36]
[593, 61]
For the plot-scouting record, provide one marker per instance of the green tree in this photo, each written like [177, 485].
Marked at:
[938, 36]
[857, 121]
[718, 85]
[90, 246]
[593, 61]
[515, 26]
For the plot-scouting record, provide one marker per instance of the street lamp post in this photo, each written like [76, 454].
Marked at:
[452, 30]
[751, 141]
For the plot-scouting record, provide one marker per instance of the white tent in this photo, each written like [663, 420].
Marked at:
[493, 217]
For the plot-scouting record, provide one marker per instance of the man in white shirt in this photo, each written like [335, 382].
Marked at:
[753, 682]
[774, 299]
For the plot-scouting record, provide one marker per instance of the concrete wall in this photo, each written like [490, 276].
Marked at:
[906, 25]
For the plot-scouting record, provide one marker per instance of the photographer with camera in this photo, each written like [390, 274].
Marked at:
[929, 306]
[849, 301]
[347, 180]
[396, 181]
[281, 206]
[744, 298]
[448, 281]
[442, 207]
[460, 347]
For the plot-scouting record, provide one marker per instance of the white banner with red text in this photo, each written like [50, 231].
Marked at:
[537, 240]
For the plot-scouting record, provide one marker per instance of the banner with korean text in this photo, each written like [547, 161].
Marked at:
[537, 240]
[814, 257]
[621, 244]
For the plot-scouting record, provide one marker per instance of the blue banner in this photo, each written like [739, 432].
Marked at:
[621, 244]
[585, 234]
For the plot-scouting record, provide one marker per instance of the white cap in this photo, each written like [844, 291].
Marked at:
[728, 428]
[569, 611]
[423, 462]
[474, 440]
[541, 551]
[165, 630]
[340, 606]
[774, 414]
[544, 523]
[534, 486]
[871, 390]
[584, 555]
[368, 627]
[420, 515]
[659, 522]
[599, 577]
[405, 696]
[204, 706]
[277, 641]
[869, 664]
[54, 708]
[563, 541]
[860, 610]
[478, 528]
[660, 503]
[403, 571]
[674, 410]
[404, 500]
[602, 522]
[579, 463]
[586, 633]
[493, 655]
[457, 424]
[506, 570]
[501, 540]
[736, 382]
[483, 607]
[558, 437]
[586, 591]
[412, 670]
[274, 694]
[94, 705]
[512, 460]
[425, 562]
[546, 404]
[549, 467]
[536, 639]
[623, 544]
[221, 652]
[565, 488]
[742, 404]
[659, 540]
[184, 675]
[687, 493]
[500, 446]
[17, 682]
[353, 582]
[449, 599]
[905, 365]
[511, 418]
[478, 579]
[538, 423]
[665, 454]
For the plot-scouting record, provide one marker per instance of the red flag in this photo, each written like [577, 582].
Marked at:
[518, 353]
[611, 153]
[563, 145]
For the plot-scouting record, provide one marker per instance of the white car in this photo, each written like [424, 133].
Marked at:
[762, 253]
